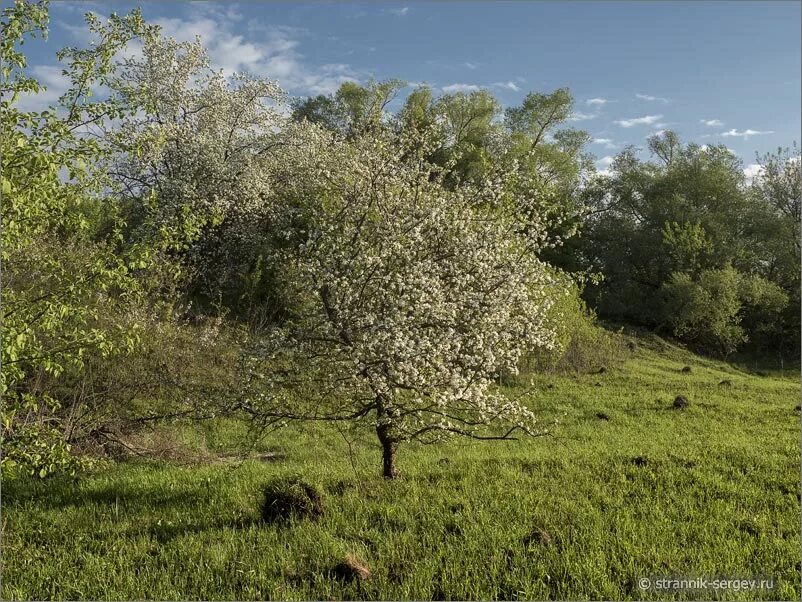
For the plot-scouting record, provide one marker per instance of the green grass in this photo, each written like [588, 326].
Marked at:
[715, 492]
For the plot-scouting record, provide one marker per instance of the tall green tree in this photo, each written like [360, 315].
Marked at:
[778, 192]
[67, 289]
[663, 232]
[352, 110]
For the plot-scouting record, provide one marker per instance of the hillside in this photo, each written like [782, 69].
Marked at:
[624, 487]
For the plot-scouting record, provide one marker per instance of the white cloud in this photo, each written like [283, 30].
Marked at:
[470, 65]
[606, 142]
[657, 133]
[652, 98]
[454, 88]
[603, 165]
[186, 30]
[752, 171]
[268, 51]
[746, 134]
[755, 170]
[508, 85]
[399, 12]
[597, 101]
[579, 116]
[645, 120]
[711, 122]
[51, 77]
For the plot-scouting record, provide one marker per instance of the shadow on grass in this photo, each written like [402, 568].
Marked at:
[145, 511]
[166, 532]
[59, 493]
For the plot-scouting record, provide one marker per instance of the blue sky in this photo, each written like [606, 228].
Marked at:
[715, 72]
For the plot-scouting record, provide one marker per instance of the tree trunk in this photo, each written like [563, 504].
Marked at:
[389, 447]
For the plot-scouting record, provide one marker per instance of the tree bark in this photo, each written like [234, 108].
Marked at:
[389, 447]
[389, 443]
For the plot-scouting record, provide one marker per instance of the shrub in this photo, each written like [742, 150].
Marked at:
[582, 345]
[714, 312]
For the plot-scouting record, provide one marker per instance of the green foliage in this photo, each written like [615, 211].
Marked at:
[778, 193]
[766, 309]
[709, 311]
[705, 312]
[66, 289]
[582, 344]
[687, 245]
[352, 110]
[539, 113]
[673, 236]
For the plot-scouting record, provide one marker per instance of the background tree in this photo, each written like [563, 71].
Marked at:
[776, 222]
[194, 167]
[662, 233]
[475, 139]
[352, 110]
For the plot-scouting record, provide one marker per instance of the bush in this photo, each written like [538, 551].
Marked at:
[582, 345]
[705, 312]
[715, 312]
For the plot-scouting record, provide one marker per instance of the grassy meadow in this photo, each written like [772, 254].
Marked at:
[624, 487]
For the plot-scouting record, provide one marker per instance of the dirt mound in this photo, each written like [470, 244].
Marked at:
[680, 402]
[291, 498]
[351, 569]
[538, 536]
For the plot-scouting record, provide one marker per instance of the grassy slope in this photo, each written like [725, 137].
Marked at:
[717, 494]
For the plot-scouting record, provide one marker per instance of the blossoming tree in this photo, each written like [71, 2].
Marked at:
[194, 157]
[409, 298]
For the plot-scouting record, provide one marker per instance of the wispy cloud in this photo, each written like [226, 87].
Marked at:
[579, 116]
[746, 134]
[268, 51]
[752, 171]
[649, 97]
[711, 122]
[399, 12]
[454, 88]
[508, 85]
[606, 142]
[55, 83]
[470, 65]
[603, 165]
[597, 101]
[645, 120]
